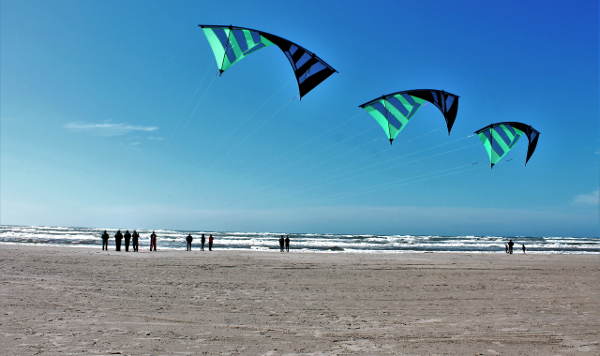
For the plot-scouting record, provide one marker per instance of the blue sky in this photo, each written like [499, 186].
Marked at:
[112, 114]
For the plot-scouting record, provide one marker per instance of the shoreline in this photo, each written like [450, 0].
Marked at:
[144, 249]
[71, 300]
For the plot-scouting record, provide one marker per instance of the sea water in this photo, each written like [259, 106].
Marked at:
[174, 239]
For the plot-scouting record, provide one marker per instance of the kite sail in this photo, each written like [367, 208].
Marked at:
[393, 111]
[499, 138]
[230, 44]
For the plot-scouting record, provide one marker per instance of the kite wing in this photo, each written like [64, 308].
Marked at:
[499, 138]
[230, 44]
[393, 111]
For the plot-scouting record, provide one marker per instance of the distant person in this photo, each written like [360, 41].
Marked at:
[188, 241]
[287, 244]
[135, 240]
[202, 242]
[506, 248]
[210, 242]
[118, 238]
[281, 243]
[523, 248]
[510, 246]
[105, 238]
[127, 240]
[153, 241]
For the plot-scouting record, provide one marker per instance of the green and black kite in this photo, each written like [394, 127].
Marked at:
[393, 111]
[230, 44]
[499, 138]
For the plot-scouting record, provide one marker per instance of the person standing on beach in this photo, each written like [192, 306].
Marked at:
[152, 241]
[523, 248]
[506, 248]
[105, 238]
[281, 243]
[188, 241]
[210, 242]
[135, 240]
[127, 240]
[118, 238]
[510, 246]
[202, 241]
[287, 244]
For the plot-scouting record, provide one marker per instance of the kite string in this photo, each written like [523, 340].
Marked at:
[406, 181]
[344, 173]
[249, 133]
[345, 176]
[198, 101]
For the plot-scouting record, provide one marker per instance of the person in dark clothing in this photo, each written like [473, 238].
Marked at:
[118, 238]
[127, 240]
[105, 238]
[210, 242]
[152, 241]
[135, 240]
[202, 241]
[281, 243]
[287, 244]
[510, 246]
[523, 248]
[188, 240]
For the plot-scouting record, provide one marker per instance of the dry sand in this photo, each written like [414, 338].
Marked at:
[79, 301]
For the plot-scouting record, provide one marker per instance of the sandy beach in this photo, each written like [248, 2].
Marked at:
[81, 301]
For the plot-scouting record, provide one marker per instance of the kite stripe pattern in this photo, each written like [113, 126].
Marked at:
[393, 111]
[499, 138]
[230, 44]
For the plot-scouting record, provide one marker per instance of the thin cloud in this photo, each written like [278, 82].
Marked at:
[108, 129]
[592, 198]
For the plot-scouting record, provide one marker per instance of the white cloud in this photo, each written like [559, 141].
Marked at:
[592, 198]
[108, 129]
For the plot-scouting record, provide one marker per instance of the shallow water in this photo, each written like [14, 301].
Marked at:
[172, 239]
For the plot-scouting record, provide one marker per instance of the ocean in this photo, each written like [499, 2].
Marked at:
[303, 242]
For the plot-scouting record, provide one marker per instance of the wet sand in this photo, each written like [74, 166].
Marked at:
[80, 301]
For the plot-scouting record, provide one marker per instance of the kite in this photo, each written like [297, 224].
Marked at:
[499, 138]
[393, 111]
[230, 44]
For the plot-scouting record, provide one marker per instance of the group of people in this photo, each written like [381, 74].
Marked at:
[189, 239]
[508, 247]
[129, 239]
[284, 243]
[134, 239]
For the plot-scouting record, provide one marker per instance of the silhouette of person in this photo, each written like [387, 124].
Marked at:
[287, 244]
[510, 246]
[118, 238]
[135, 240]
[105, 238]
[188, 240]
[210, 242]
[127, 240]
[281, 242]
[202, 241]
[152, 241]
[523, 248]
[506, 248]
